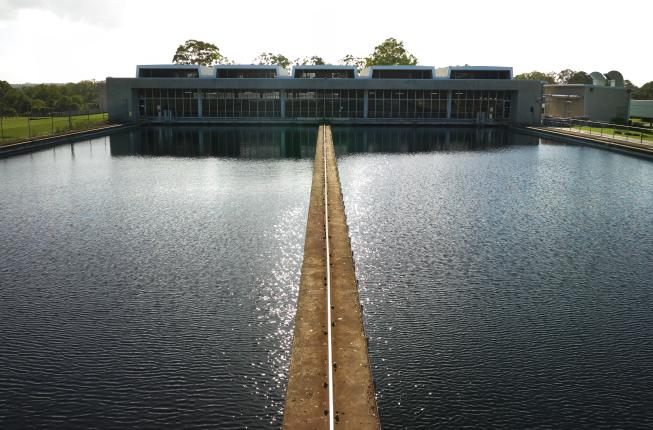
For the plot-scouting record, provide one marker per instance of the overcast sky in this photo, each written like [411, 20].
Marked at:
[71, 40]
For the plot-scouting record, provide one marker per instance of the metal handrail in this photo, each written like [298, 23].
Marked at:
[616, 131]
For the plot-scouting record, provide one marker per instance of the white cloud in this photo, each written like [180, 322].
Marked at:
[67, 40]
[95, 12]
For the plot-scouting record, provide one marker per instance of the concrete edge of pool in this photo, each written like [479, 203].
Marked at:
[37, 144]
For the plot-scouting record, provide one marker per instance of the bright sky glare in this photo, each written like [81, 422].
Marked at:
[71, 40]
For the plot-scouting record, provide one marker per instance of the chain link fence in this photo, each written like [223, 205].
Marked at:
[16, 129]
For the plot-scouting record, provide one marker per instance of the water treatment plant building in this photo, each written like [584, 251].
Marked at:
[338, 94]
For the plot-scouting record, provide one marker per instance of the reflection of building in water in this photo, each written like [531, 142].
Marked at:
[349, 140]
[378, 95]
[240, 142]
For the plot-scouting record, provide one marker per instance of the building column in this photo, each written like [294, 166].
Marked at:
[282, 102]
[200, 106]
[200, 141]
[365, 103]
[282, 145]
[449, 104]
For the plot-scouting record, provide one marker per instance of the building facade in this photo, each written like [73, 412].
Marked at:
[605, 99]
[308, 94]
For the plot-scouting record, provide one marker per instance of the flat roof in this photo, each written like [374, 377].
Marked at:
[211, 71]
[202, 71]
[478, 68]
[445, 72]
[246, 66]
[280, 71]
[323, 67]
[169, 66]
[369, 71]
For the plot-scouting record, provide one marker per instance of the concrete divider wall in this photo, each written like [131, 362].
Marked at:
[307, 396]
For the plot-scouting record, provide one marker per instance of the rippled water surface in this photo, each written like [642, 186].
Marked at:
[149, 279]
[506, 283]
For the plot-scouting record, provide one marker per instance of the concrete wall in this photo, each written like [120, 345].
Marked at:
[606, 103]
[641, 109]
[123, 103]
[527, 104]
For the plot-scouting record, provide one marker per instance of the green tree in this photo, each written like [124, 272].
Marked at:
[24, 99]
[564, 76]
[390, 52]
[78, 100]
[549, 78]
[22, 103]
[273, 59]
[8, 96]
[350, 60]
[198, 52]
[67, 104]
[645, 92]
[311, 61]
[581, 78]
[630, 86]
[38, 107]
[569, 76]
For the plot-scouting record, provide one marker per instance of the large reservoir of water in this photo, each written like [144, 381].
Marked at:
[150, 282]
[507, 283]
[149, 279]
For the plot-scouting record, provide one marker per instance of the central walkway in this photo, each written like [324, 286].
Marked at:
[330, 383]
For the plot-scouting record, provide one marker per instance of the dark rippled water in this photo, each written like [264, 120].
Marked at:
[149, 280]
[506, 283]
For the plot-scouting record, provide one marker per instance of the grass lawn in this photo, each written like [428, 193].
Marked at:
[639, 122]
[622, 134]
[16, 129]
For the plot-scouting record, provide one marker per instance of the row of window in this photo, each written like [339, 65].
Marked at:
[158, 93]
[241, 108]
[407, 104]
[489, 105]
[325, 103]
[412, 104]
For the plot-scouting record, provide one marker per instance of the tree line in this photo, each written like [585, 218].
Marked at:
[390, 52]
[44, 99]
[568, 76]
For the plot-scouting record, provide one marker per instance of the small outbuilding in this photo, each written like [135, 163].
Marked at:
[606, 99]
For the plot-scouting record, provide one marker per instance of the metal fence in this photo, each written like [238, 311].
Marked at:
[602, 129]
[16, 129]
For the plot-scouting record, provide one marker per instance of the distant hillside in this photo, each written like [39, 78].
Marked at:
[42, 99]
